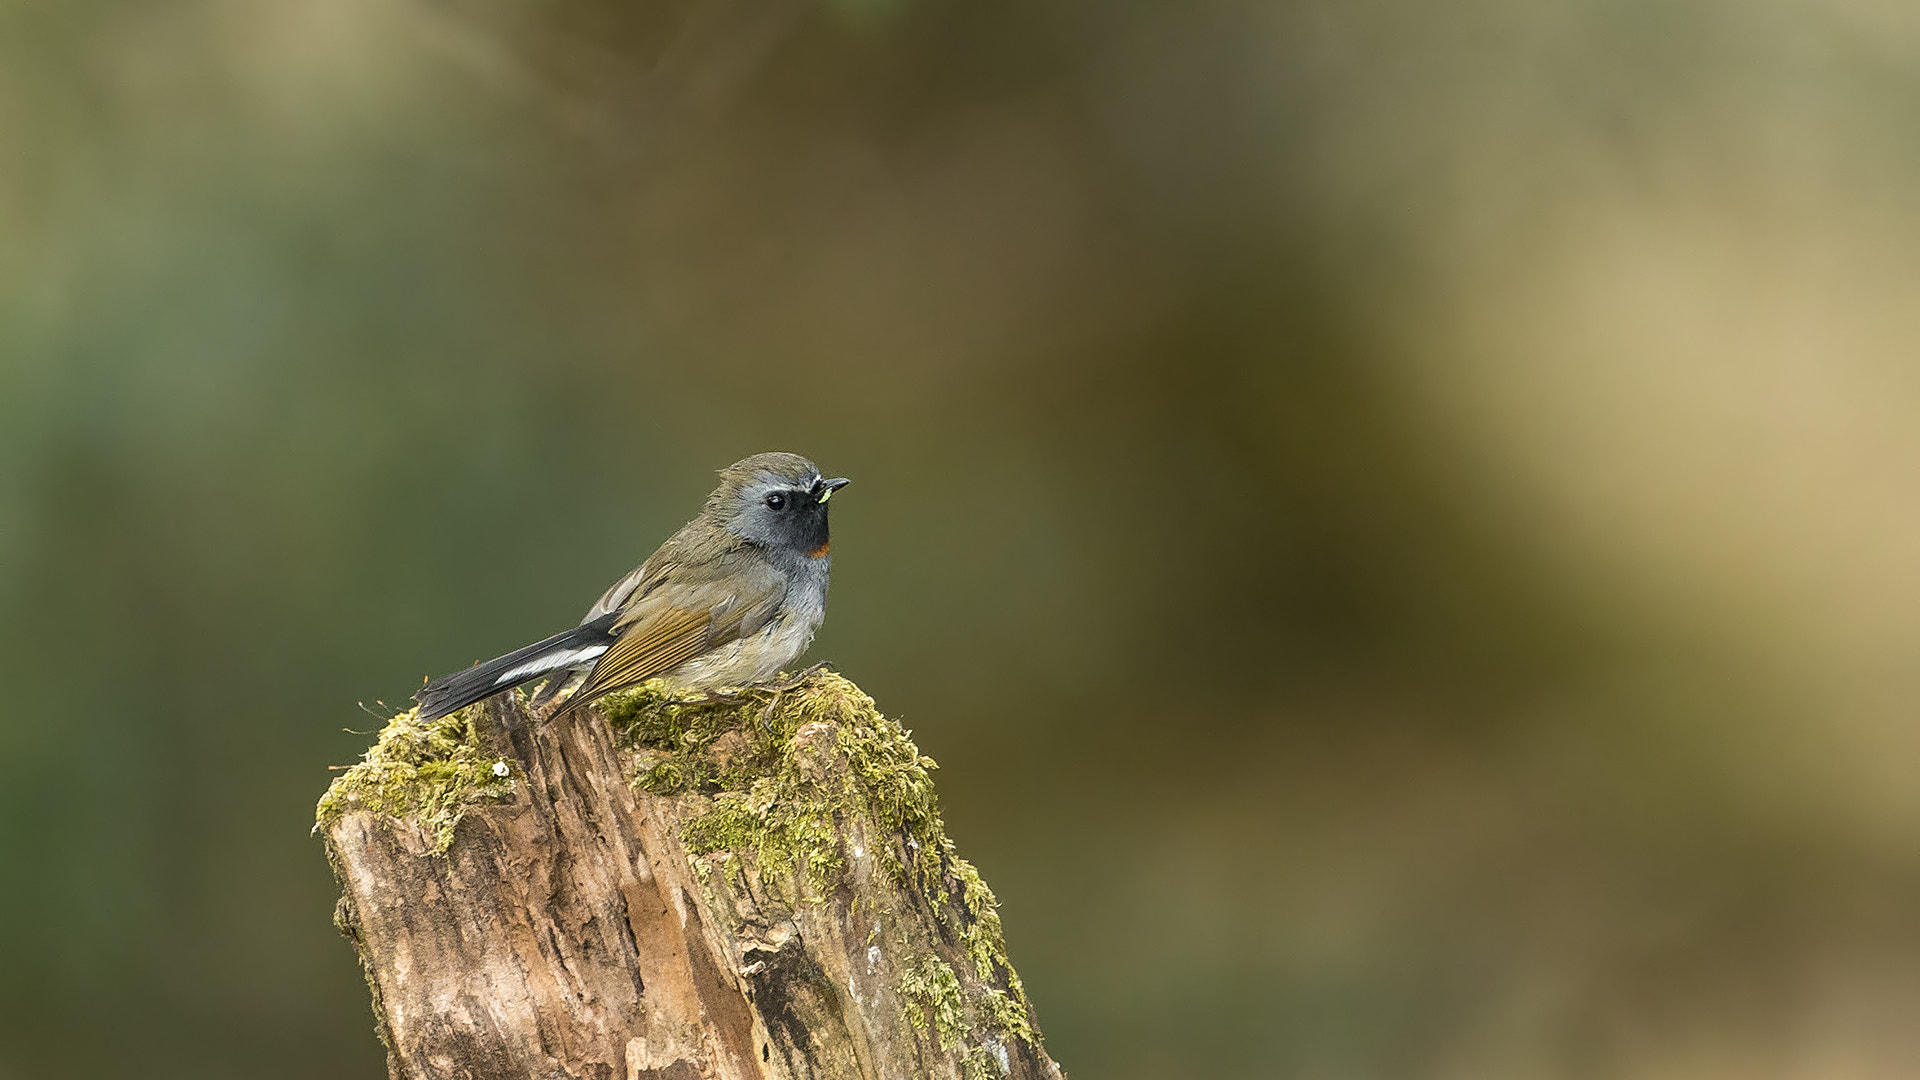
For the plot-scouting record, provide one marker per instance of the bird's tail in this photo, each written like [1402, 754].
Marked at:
[577, 647]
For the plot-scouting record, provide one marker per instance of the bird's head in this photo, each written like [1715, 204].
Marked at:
[777, 501]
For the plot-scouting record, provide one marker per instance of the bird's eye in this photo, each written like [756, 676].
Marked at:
[776, 501]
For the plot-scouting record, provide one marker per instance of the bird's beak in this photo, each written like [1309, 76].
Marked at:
[832, 486]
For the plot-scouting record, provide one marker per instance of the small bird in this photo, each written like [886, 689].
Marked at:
[727, 601]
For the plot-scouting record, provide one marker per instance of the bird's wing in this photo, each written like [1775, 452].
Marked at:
[695, 544]
[691, 611]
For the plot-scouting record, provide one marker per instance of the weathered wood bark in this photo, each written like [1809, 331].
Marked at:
[653, 891]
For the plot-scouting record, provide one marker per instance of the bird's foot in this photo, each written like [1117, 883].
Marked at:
[710, 697]
[781, 686]
[774, 687]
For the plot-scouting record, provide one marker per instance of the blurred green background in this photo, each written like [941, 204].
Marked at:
[1398, 520]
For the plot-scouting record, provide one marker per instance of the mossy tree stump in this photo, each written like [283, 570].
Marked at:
[760, 888]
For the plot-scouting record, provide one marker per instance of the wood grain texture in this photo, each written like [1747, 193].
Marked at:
[567, 931]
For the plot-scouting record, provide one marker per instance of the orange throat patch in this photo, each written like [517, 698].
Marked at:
[820, 551]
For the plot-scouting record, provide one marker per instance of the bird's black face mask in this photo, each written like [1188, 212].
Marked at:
[787, 514]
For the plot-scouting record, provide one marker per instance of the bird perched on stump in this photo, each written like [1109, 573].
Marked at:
[728, 600]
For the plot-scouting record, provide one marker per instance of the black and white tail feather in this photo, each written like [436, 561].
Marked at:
[564, 653]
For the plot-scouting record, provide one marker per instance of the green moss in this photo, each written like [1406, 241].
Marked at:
[776, 782]
[986, 946]
[781, 793]
[930, 997]
[981, 1063]
[779, 782]
[426, 772]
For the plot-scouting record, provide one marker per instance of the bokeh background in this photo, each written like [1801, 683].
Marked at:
[1398, 520]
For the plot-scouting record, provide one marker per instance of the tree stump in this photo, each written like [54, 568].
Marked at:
[759, 887]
